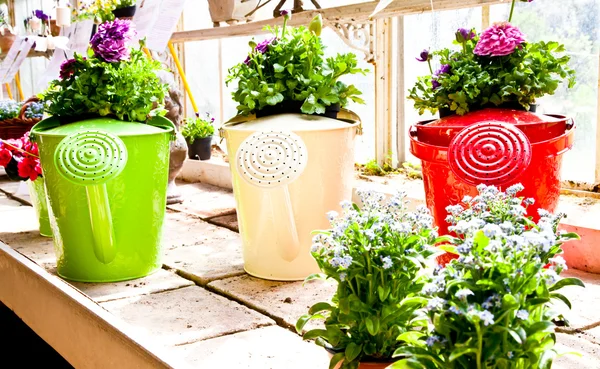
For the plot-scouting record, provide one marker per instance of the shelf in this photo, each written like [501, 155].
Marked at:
[354, 12]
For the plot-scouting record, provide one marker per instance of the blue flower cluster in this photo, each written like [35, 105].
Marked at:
[9, 109]
[35, 110]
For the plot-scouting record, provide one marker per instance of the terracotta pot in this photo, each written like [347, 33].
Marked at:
[230, 11]
[6, 42]
[54, 28]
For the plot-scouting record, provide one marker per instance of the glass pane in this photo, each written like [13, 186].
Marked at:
[575, 24]
[429, 31]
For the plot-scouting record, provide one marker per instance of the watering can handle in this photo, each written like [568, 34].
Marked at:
[91, 159]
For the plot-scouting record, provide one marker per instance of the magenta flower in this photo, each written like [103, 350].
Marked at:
[423, 56]
[444, 69]
[285, 12]
[435, 84]
[262, 48]
[110, 41]
[67, 68]
[499, 40]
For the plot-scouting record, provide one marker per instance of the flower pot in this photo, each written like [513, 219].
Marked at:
[381, 364]
[6, 41]
[54, 28]
[127, 12]
[37, 194]
[200, 148]
[446, 112]
[288, 171]
[230, 10]
[106, 182]
[495, 148]
[63, 17]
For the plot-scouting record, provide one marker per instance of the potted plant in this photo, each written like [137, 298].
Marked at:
[20, 159]
[289, 95]
[17, 118]
[231, 11]
[7, 36]
[125, 9]
[491, 308]
[105, 153]
[198, 133]
[482, 90]
[377, 256]
[99, 10]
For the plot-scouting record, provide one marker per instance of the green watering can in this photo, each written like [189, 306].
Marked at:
[106, 181]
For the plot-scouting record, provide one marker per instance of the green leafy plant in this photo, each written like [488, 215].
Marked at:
[126, 3]
[101, 10]
[377, 256]
[490, 308]
[120, 83]
[197, 128]
[9, 109]
[291, 68]
[495, 68]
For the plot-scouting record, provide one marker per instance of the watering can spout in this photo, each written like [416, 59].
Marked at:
[91, 159]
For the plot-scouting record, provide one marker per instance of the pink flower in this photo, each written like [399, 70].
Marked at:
[499, 40]
[29, 167]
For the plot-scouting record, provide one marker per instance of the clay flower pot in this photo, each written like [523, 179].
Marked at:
[6, 41]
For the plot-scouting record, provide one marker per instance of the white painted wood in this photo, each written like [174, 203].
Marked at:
[383, 89]
[401, 133]
[81, 331]
[353, 12]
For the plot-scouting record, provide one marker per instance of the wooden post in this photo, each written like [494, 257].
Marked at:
[401, 133]
[8, 91]
[383, 89]
[485, 16]
[18, 83]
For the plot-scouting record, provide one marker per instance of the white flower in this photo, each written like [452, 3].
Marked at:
[455, 310]
[316, 247]
[486, 317]
[431, 288]
[491, 230]
[560, 262]
[346, 204]
[512, 190]
[523, 314]
[467, 199]
[544, 213]
[343, 276]
[387, 262]
[529, 201]
[510, 354]
[551, 277]
[507, 226]
[463, 293]
[432, 340]
[454, 209]
[435, 303]
[332, 215]
[370, 234]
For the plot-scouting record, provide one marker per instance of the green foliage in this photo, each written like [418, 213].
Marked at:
[197, 128]
[533, 71]
[293, 68]
[376, 255]
[129, 90]
[491, 307]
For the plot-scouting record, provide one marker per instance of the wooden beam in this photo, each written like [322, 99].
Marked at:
[352, 12]
[81, 331]
[597, 169]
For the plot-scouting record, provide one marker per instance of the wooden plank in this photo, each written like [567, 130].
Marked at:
[401, 132]
[597, 171]
[485, 17]
[352, 12]
[85, 334]
[383, 89]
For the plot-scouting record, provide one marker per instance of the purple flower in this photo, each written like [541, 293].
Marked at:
[110, 42]
[263, 47]
[423, 56]
[444, 69]
[41, 15]
[285, 13]
[435, 84]
[463, 34]
[499, 40]
[67, 68]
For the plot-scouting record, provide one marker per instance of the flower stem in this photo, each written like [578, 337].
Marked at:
[479, 345]
[429, 63]
[285, 20]
[18, 149]
[512, 8]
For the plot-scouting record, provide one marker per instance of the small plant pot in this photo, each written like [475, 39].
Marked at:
[200, 149]
[6, 41]
[127, 12]
[54, 28]
[446, 112]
